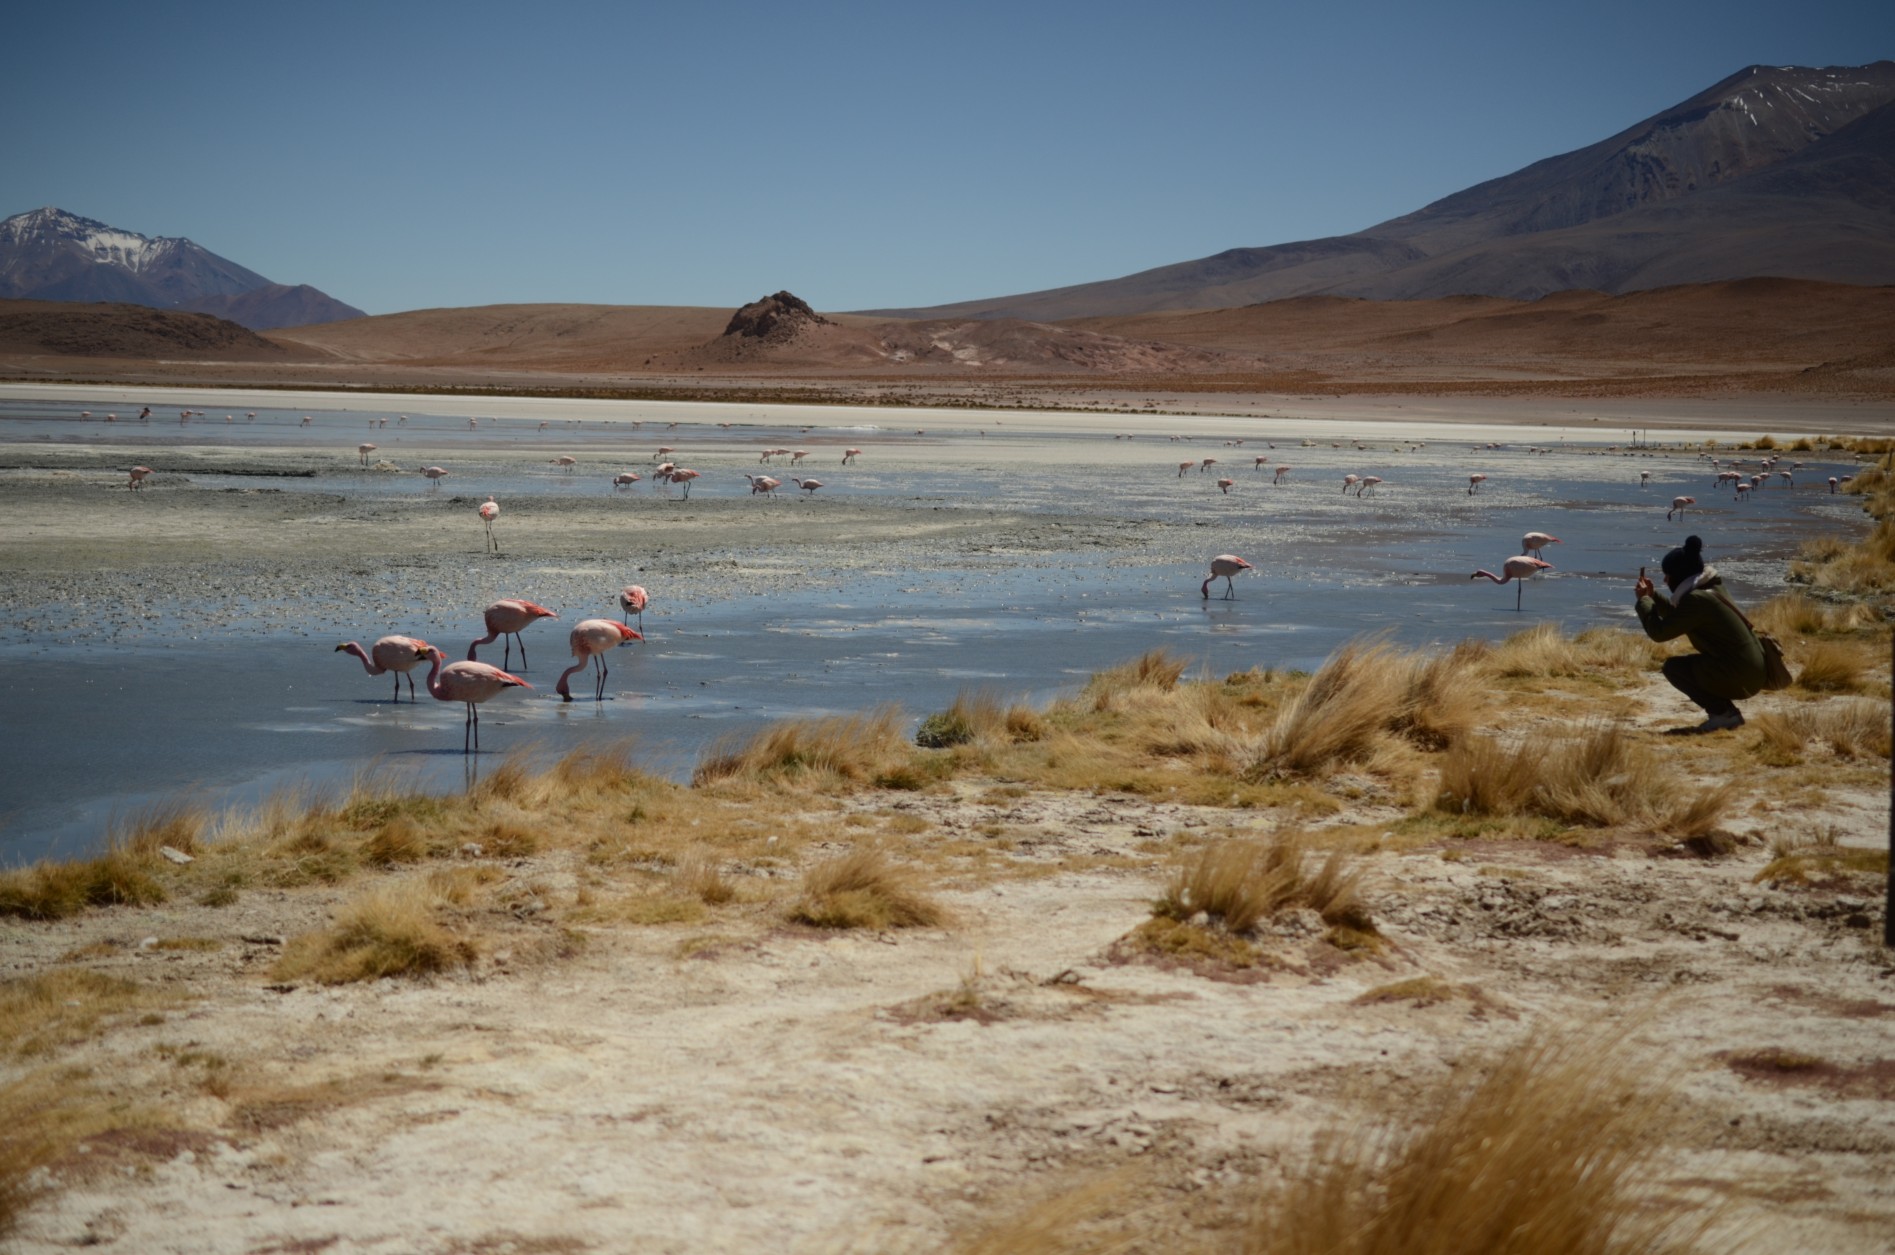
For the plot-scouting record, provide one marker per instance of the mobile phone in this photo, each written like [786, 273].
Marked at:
[1641, 573]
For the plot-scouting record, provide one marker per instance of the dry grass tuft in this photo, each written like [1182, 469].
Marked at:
[1236, 885]
[976, 717]
[1790, 615]
[45, 890]
[1852, 728]
[1544, 652]
[1339, 716]
[395, 930]
[42, 1012]
[1542, 1152]
[1830, 667]
[1861, 569]
[862, 889]
[175, 823]
[838, 749]
[1798, 860]
[1599, 777]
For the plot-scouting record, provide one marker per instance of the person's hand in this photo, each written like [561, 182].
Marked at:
[1642, 589]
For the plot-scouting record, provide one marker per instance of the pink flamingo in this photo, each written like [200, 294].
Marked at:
[1368, 484]
[469, 683]
[683, 475]
[435, 475]
[1533, 542]
[1521, 568]
[1263, 458]
[1833, 481]
[850, 455]
[564, 462]
[1183, 467]
[625, 480]
[1206, 465]
[1644, 477]
[138, 476]
[662, 450]
[399, 654]
[663, 473]
[1282, 472]
[505, 618]
[633, 600]
[1677, 506]
[1742, 491]
[1474, 482]
[1224, 486]
[489, 511]
[808, 485]
[365, 449]
[590, 639]
[798, 456]
[765, 484]
[1225, 565]
[1350, 481]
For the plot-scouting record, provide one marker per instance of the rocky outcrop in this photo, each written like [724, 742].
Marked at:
[775, 319]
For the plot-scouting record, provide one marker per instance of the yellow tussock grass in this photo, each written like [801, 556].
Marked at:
[47, 1010]
[1363, 693]
[47, 890]
[863, 889]
[1855, 727]
[837, 749]
[395, 930]
[1541, 1153]
[1829, 667]
[1238, 884]
[1798, 614]
[1599, 777]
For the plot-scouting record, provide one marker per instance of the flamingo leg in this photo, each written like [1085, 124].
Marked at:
[467, 727]
[1519, 591]
[522, 641]
[397, 696]
[598, 688]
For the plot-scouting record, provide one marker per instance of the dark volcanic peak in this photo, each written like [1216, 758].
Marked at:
[774, 318]
[52, 255]
[1776, 170]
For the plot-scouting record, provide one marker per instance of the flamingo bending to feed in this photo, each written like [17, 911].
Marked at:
[798, 456]
[1350, 481]
[1677, 506]
[399, 654]
[591, 638]
[633, 600]
[469, 683]
[808, 485]
[364, 449]
[1281, 473]
[763, 484]
[625, 480]
[1473, 482]
[850, 455]
[1533, 542]
[1521, 568]
[1183, 467]
[489, 511]
[138, 476]
[1206, 465]
[1368, 484]
[1225, 485]
[435, 475]
[564, 462]
[1260, 461]
[505, 618]
[1225, 565]
[683, 475]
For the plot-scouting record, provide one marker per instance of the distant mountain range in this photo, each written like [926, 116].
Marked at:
[51, 255]
[1780, 171]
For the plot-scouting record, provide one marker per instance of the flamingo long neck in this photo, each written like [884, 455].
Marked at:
[368, 664]
[1498, 579]
[434, 676]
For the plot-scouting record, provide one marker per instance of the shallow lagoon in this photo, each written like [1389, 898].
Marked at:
[110, 710]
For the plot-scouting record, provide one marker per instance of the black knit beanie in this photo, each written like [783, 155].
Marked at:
[1680, 564]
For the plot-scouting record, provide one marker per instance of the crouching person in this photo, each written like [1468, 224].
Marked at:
[1729, 662]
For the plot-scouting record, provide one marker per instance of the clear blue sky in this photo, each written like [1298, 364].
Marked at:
[406, 155]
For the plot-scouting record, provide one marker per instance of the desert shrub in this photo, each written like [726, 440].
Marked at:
[43, 1011]
[392, 931]
[1543, 1151]
[846, 748]
[1438, 705]
[1598, 777]
[1339, 716]
[862, 889]
[1797, 614]
[706, 881]
[1829, 667]
[175, 823]
[1156, 669]
[1544, 651]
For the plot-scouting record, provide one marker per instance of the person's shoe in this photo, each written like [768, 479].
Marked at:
[1721, 723]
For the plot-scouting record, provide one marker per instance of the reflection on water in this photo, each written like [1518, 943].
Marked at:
[94, 732]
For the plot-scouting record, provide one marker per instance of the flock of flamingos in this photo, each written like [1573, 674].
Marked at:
[472, 682]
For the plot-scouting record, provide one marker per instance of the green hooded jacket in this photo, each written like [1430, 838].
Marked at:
[1730, 661]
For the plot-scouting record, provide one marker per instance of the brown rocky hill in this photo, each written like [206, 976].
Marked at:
[54, 328]
[1775, 171]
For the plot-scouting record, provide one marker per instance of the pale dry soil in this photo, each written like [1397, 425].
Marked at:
[744, 1085]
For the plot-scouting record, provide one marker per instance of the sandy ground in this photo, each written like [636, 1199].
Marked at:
[780, 1089]
[745, 1085]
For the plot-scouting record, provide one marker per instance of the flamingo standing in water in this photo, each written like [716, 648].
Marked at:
[435, 475]
[683, 475]
[1183, 467]
[564, 462]
[1350, 481]
[1474, 482]
[766, 484]
[1224, 485]
[625, 480]
[1368, 484]
[1225, 565]
[505, 618]
[1282, 472]
[633, 600]
[807, 485]
[850, 455]
[1521, 568]
[469, 683]
[399, 654]
[138, 476]
[1206, 465]
[1533, 542]
[591, 638]
[364, 449]
[1677, 506]
[489, 511]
